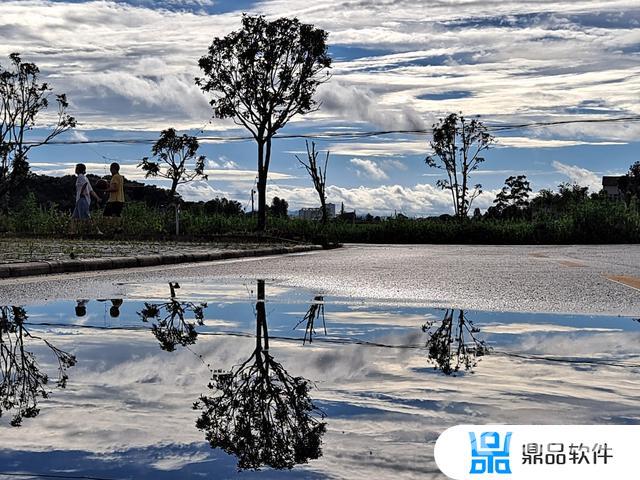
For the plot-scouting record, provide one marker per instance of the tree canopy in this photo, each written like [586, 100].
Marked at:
[176, 159]
[22, 98]
[262, 76]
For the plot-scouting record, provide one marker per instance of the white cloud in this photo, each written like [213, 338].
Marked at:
[381, 149]
[368, 168]
[579, 175]
[417, 200]
[223, 163]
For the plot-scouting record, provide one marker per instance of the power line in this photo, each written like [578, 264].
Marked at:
[346, 135]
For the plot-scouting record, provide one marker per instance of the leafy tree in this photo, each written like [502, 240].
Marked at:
[262, 76]
[629, 184]
[175, 155]
[223, 206]
[513, 200]
[318, 175]
[22, 98]
[279, 207]
[457, 144]
[22, 382]
[453, 345]
[169, 324]
[259, 412]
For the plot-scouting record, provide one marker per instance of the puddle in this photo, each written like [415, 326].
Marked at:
[182, 381]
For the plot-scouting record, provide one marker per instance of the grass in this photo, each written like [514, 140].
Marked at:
[590, 221]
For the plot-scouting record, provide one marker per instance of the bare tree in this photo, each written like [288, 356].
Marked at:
[177, 153]
[22, 99]
[315, 311]
[457, 144]
[262, 76]
[318, 175]
[259, 412]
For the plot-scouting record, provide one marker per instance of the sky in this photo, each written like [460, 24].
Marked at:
[128, 69]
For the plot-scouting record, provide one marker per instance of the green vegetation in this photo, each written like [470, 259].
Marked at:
[555, 218]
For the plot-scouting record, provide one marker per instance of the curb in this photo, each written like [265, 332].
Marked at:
[27, 269]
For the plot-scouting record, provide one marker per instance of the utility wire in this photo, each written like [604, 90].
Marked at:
[346, 135]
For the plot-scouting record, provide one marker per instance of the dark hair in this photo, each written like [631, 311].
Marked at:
[115, 166]
[81, 168]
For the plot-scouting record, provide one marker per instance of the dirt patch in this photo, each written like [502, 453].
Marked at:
[571, 264]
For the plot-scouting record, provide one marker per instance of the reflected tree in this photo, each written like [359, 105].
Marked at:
[316, 311]
[23, 382]
[169, 324]
[260, 413]
[452, 344]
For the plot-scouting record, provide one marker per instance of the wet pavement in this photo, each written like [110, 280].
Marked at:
[203, 378]
[558, 279]
[340, 364]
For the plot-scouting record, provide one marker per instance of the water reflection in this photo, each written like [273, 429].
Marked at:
[259, 412]
[316, 310]
[168, 320]
[452, 343]
[23, 382]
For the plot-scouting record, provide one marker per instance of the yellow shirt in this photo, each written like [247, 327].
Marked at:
[117, 182]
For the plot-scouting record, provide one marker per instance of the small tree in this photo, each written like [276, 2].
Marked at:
[177, 159]
[22, 98]
[457, 144]
[629, 184]
[513, 199]
[279, 207]
[169, 325]
[23, 383]
[262, 76]
[318, 175]
[452, 345]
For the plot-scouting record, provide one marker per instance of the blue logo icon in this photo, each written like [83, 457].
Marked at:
[491, 456]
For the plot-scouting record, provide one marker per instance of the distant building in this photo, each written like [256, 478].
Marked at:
[611, 185]
[316, 213]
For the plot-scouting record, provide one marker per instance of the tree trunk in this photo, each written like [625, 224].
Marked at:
[262, 190]
[264, 157]
[262, 202]
[174, 187]
[323, 203]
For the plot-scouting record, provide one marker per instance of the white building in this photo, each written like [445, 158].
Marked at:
[316, 213]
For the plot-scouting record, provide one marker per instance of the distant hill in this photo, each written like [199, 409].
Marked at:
[60, 192]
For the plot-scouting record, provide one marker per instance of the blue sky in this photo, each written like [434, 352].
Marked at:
[128, 68]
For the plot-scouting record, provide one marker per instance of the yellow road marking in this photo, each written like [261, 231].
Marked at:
[627, 280]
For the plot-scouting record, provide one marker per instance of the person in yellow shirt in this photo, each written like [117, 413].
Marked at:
[115, 202]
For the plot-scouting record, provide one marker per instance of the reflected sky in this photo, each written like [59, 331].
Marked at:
[378, 374]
